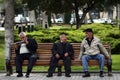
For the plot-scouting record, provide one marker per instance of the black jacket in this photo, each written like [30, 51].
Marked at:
[58, 48]
[32, 46]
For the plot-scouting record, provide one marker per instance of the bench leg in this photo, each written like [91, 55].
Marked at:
[9, 70]
[59, 70]
[109, 66]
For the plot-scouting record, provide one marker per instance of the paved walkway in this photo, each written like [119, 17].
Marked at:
[74, 76]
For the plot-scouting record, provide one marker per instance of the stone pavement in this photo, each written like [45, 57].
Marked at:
[74, 76]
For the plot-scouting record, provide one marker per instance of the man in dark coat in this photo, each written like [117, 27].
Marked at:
[25, 50]
[61, 50]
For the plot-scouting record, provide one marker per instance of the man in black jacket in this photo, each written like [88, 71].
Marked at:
[61, 50]
[25, 50]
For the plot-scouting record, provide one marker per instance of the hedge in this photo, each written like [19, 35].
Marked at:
[107, 33]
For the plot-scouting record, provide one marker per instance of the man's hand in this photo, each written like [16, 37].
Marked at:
[57, 56]
[78, 58]
[108, 57]
[25, 40]
[66, 54]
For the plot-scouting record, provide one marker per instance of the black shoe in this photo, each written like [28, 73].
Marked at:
[87, 74]
[19, 75]
[27, 76]
[101, 74]
[49, 75]
[68, 75]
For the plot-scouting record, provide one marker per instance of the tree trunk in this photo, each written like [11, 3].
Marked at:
[45, 20]
[118, 15]
[86, 10]
[77, 15]
[91, 19]
[53, 17]
[49, 19]
[82, 18]
[9, 30]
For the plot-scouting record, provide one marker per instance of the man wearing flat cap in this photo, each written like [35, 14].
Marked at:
[90, 49]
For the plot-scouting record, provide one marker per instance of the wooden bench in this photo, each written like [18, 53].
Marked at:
[44, 52]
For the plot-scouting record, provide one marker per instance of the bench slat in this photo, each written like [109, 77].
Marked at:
[44, 53]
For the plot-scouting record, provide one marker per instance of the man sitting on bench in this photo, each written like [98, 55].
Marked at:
[25, 50]
[90, 49]
[61, 50]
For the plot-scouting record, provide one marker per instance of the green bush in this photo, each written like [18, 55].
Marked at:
[107, 33]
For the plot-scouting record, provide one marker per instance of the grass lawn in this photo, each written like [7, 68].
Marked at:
[116, 62]
[2, 50]
[115, 66]
[2, 59]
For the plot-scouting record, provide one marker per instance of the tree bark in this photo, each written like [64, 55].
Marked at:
[91, 19]
[77, 15]
[82, 18]
[45, 20]
[118, 15]
[9, 28]
[90, 5]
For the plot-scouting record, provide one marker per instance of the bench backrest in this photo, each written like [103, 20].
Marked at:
[44, 51]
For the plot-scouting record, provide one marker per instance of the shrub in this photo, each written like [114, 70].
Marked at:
[107, 34]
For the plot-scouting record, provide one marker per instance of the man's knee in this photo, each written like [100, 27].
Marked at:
[84, 57]
[54, 59]
[18, 58]
[67, 58]
[101, 56]
[32, 59]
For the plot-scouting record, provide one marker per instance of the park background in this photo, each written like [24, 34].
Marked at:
[52, 17]
[109, 34]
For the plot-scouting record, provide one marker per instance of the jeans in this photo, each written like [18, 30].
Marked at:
[99, 57]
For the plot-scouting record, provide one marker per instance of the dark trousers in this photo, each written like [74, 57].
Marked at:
[19, 61]
[54, 62]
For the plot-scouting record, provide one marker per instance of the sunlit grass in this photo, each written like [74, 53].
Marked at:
[2, 57]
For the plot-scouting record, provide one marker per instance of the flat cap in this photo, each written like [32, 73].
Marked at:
[88, 30]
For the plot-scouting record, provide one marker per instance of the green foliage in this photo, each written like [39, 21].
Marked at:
[107, 33]
[37, 27]
[1, 1]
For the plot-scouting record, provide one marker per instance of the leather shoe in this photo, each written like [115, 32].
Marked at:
[87, 74]
[19, 75]
[68, 75]
[27, 76]
[49, 75]
[101, 74]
